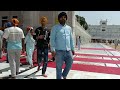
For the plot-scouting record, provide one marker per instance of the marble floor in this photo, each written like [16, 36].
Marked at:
[105, 63]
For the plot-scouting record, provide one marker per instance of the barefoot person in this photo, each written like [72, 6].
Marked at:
[42, 45]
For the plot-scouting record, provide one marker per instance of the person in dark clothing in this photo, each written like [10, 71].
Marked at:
[42, 39]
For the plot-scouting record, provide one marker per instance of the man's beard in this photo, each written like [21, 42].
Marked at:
[62, 22]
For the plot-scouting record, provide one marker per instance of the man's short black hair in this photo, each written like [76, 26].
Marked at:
[62, 14]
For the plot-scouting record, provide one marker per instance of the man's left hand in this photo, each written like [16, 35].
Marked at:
[73, 52]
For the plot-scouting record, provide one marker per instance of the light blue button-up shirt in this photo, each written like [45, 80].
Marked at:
[61, 38]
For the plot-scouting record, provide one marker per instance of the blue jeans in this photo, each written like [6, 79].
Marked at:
[42, 53]
[61, 57]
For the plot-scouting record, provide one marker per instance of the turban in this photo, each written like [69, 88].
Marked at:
[15, 21]
[8, 24]
[44, 18]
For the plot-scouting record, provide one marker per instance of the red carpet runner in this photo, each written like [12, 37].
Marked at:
[82, 67]
[98, 49]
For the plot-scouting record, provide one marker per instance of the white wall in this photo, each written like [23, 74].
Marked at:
[80, 31]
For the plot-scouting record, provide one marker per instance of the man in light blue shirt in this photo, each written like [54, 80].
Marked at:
[62, 46]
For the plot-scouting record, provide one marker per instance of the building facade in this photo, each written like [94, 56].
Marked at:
[32, 18]
[104, 33]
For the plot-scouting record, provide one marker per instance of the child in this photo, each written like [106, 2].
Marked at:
[42, 39]
[30, 45]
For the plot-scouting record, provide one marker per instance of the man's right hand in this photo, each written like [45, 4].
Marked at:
[23, 50]
[73, 52]
[53, 53]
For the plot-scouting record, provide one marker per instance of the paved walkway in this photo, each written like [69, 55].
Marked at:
[92, 61]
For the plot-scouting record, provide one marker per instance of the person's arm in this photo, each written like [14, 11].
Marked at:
[5, 36]
[52, 39]
[23, 45]
[48, 39]
[4, 45]
[23, 41]
[36, 34]
[72, 43]
[26, 39]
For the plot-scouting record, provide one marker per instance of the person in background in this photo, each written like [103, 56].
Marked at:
[30, 45]
[116, 43]
[78, 42]
[62, 46]
[15, 43]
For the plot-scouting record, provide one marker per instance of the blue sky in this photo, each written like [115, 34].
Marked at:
[94, 17]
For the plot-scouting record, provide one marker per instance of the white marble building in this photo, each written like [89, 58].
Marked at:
[104, 32]
[32, 18]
